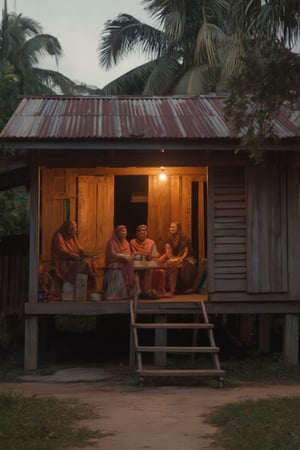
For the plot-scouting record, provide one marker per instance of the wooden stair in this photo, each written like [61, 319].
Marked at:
[161, 313]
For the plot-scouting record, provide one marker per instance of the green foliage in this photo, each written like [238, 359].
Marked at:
[43, 423]
[266, 424]
[268, 78]
[188, 38]
[14, 212]
[22, 46]
[258, 369]
[8, 92]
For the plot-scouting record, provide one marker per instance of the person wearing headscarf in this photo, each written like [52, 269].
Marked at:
[118, 258]
[152, 281]
[67, 254]
[179, 259]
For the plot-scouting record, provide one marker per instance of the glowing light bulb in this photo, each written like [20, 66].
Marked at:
[162, 175]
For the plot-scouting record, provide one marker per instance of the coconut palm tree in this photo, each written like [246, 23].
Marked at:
[22, 45]
[182, 49]
[197, 46]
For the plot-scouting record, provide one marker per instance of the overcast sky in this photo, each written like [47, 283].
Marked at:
[78, 24]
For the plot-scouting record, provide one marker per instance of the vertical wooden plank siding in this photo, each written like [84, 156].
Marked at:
[226, 229]
[54, 193]
[87, 212]
[95, 211]
[293, 186]
[168, 202]
[14, 275]
[186, 205]
[159, 209]
[267, 240]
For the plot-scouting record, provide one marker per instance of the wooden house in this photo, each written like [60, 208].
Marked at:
[97, 160]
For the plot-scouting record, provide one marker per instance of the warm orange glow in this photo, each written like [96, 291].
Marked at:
[162, 175]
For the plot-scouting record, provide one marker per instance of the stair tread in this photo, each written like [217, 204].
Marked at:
[200, 315]
[204, 326]
[181, 372]
[177, 349]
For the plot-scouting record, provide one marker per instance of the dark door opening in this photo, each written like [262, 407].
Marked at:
[131, 202]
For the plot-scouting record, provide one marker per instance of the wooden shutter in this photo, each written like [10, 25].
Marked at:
[95, 211]
[226, 229]
[54, 194]
[267, 230]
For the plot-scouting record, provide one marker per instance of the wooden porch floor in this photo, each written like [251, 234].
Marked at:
[185, 301]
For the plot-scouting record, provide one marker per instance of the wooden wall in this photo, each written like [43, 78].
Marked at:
[248, 217]
[13, 275]
[227, 229]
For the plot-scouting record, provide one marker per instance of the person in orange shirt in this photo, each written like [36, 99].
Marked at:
[152, 281]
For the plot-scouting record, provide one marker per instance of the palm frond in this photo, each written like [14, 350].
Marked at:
[125, 34]
[198, 80]
[281, 18]
[209, 39]
[132, 82]
[53, 81]
[40, 46]
[164, 75]
[231, 55]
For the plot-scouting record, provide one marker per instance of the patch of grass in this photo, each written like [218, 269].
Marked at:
[268, 424]
[9, 373]
[43, 423]
[258, 369]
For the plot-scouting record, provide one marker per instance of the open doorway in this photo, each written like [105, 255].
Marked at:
[142, 199]
[131, 202]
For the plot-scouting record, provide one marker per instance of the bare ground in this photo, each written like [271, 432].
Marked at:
[151, 418]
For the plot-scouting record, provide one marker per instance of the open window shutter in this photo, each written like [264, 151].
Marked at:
[95, 211]
[53, 211]
[267, 233]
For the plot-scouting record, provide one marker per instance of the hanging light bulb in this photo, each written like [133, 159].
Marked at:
[162, 175]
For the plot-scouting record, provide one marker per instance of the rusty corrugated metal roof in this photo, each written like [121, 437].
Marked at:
[123, 118]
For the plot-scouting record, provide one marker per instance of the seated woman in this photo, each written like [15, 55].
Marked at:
[67, 254]
[119, 281]
[179, 260]
[152, 281]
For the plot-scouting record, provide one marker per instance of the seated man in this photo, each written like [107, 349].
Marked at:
[152, 281]
[67, 254]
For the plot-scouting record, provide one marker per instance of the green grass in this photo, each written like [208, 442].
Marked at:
[260, 370]
[43, 423]
[269, 424]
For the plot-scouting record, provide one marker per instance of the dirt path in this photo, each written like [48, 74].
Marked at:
[150, 418]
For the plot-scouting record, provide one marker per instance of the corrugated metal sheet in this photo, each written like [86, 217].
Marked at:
[93, 118]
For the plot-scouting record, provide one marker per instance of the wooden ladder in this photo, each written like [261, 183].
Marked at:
[161, 313]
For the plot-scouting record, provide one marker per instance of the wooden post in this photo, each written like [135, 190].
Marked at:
[246, 325]
[264, 336]
[31, 323]
[291, 339]
[31, 343]
[160, 358]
